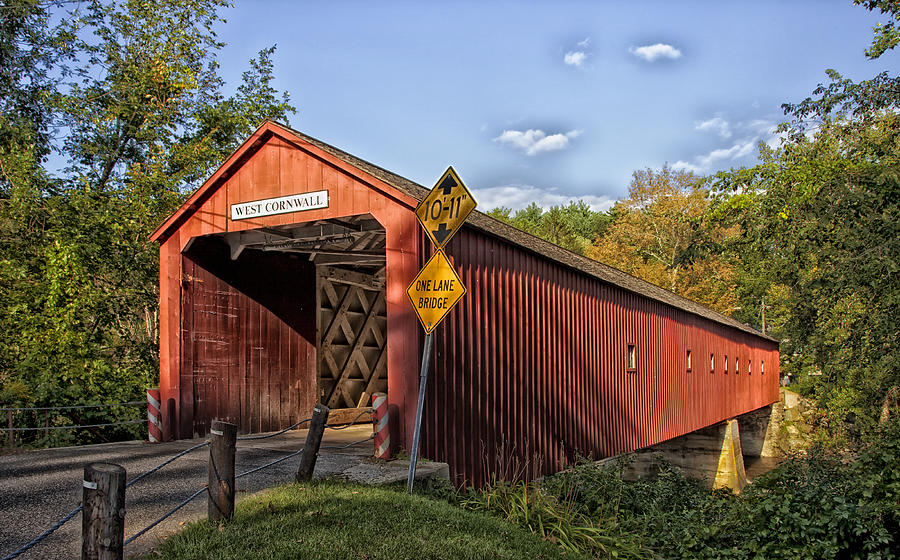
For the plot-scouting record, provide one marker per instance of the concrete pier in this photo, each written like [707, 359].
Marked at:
[716, 454]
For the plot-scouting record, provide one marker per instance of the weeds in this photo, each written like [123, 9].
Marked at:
[554, 519]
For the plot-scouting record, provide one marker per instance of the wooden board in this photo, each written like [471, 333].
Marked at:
[340, 416]
[248, 350]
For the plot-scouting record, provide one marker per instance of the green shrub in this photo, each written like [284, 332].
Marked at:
[820, 505]
[558, 519]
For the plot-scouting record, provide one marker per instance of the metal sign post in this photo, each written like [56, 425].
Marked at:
[437, 288]
[423, 382]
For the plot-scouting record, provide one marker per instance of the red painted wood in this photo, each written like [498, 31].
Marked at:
[275, 162]
[534, 359]
[238, 327]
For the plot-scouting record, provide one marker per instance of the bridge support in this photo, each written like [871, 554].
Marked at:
[716, 453]
[712, 454]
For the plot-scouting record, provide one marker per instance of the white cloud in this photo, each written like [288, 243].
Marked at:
[750, 134]
[705, 163]
[650, 53]
[717, 124]
[534, 142]
[518, 197]
[682, 165]
[575, 58]
[578, 55]
[762, 126]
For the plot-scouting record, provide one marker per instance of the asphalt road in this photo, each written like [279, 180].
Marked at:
[37, 488]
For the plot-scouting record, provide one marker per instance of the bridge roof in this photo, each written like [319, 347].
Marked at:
[477, 220]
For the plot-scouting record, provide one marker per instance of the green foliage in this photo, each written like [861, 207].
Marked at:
[658, 234]
[815, 506]
[573, 226]
[127, 93]
[822, 231]
[658, 512]
[820, 240]
[557, 518]
[886, 36]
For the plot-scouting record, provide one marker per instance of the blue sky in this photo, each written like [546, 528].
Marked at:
[548, 101]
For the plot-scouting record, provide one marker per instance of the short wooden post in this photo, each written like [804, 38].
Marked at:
[46, 423]
[222, 440]
[103, 514]
[9, 416]
[313, 441]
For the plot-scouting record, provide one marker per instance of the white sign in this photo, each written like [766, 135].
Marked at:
[280, 205]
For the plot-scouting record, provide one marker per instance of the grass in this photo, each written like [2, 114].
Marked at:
[331, 520]
[556, 517]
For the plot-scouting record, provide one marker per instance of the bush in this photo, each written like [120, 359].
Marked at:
[558, 519]
[819, 505]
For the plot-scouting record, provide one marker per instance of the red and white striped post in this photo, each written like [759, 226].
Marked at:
[380, 421]
[154, 425]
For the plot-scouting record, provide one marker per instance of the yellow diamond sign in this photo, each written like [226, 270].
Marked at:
[434, 292]
[445, 208]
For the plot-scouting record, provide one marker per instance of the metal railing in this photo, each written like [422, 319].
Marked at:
[11, 429]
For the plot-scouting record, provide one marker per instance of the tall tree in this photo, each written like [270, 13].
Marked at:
[820, 216]
[656, 233]
[138, 104]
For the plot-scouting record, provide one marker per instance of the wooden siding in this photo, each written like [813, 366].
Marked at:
[248, 340]
[530, 368]
[270, 165]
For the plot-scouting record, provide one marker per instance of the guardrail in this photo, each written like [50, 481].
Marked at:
[11, 429]
[106, 519]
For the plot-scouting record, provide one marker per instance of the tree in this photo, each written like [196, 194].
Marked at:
[819, 216]
[138, 102]
[572, 226]
[657, 236]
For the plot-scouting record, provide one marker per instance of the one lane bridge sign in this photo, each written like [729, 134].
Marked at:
[445, 208]
[435, 290]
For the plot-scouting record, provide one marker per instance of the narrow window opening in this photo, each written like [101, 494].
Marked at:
[726, 364]
[762, 368]
[737, 365]
[749, 367]
[688, 359]
[630, 359]
[712, 363]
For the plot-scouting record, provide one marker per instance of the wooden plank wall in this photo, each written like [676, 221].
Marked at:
[248, 350]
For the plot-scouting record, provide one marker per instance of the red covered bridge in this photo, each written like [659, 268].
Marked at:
[282, 284]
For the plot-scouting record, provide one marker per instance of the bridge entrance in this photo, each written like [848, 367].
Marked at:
[276, 319]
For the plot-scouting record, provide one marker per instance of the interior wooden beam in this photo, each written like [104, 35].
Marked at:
[358, 279]
[347, 260]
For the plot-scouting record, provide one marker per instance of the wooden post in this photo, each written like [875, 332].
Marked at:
[222, 440]
[170, 424]
[103, 514]
[313, 441]
[9, 416]
[46, 423]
